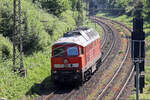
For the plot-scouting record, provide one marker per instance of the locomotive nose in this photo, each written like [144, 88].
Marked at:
[66, 61]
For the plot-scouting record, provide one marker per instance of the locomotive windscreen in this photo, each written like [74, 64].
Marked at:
[59, 51]
[72, 51]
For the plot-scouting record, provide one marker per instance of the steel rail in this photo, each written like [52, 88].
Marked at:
[115, 75]
[103, 91]
[113, 43]
[50, 95]
[104, 58]
[121, 91]
[132, 70]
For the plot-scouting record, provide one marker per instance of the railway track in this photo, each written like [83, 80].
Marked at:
[110, 48]
[108, 35]
[130, 72]
[107, 45]
[105, 92]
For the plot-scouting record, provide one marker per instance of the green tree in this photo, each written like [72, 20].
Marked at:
[118, 6]
[5, 48]
[147, 7]
[56, 6]
[32, 29]
[74, 4]
[80, 13]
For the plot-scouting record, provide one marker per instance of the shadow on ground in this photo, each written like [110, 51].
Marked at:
[47, 86]
[44, 88]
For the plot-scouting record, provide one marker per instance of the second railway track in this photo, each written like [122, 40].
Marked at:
[127, 71]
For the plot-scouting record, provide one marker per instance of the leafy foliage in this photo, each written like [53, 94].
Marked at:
[32, 29]
[14, 87]
[37, 26]
[147, 9]
[120, 7]
[117, 6]
[40, 29]
[6, 16]
[55, 6]
[5, 48]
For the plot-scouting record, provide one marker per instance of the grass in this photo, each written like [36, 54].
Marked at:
[128, 21]
[124, 18]
[14, 87]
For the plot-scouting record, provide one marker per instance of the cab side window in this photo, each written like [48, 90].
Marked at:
[81, 51]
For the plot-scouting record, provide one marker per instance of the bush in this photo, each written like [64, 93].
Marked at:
[40, 30]
[35, 37]
[14, 87]
[6, 18]
[56, 7]
[37, 25]
[5, 48]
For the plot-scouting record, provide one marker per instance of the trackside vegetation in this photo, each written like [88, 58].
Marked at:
[42, 24]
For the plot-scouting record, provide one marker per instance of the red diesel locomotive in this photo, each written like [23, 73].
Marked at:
[74, 56]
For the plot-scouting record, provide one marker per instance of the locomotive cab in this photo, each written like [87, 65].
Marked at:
[66, 62]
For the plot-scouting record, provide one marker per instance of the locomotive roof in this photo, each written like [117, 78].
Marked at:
[81, 36]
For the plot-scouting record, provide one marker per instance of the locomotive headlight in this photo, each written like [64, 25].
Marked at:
[66, 61]
[58, 65]
[77, 71]
[75, 65]
[54, 72]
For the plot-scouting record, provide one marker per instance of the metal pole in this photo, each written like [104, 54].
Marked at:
[20, 35]
[14, 33]
[137, 80]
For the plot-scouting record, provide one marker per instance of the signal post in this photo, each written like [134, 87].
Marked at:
[138, 50]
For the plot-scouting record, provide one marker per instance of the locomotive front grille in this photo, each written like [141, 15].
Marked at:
[67, 75]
